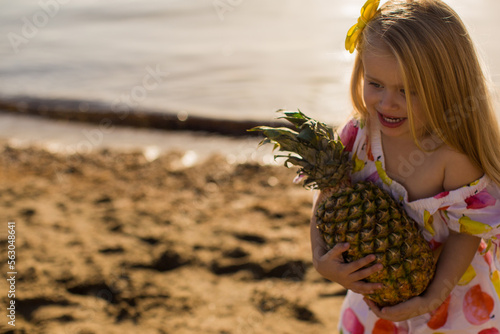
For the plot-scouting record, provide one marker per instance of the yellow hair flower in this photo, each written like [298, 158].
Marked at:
[367, 13]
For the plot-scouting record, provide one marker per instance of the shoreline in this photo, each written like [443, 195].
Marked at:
[69, 137]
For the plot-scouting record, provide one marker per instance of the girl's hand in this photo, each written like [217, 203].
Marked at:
[331, 266]
[409, 309]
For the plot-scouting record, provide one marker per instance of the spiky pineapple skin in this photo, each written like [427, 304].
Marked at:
[373, 223]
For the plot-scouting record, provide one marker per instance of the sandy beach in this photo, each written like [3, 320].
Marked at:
[119, 240]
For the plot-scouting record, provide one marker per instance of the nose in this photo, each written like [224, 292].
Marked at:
[388, 101]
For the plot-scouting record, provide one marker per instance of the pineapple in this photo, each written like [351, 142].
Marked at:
[362, 214]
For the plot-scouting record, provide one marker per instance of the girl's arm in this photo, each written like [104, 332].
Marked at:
[331, 265]
[456, 256]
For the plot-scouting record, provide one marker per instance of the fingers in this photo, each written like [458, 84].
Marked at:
[365, 288]
[349, 275]
[358, 264]
[406, 310]
[373, 306]
[356, 267]
[336, 251]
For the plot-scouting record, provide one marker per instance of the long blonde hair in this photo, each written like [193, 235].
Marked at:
[438, 62]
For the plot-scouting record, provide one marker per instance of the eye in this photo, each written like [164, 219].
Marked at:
[374, 84]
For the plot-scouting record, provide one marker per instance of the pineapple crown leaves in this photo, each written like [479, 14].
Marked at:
[318, 153]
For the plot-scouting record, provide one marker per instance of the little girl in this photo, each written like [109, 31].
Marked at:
[425, 131]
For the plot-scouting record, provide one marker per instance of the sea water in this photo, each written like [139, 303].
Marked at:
[231, 59]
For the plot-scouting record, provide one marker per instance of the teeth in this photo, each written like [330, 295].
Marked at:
[392, 120]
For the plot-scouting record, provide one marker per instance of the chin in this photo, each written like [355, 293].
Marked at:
[395, 132]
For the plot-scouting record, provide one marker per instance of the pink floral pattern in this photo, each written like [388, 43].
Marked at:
[351, 323]
[480, 200]
[441, 195]
[348, 135]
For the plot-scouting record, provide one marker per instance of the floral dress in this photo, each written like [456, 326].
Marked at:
[474, 304]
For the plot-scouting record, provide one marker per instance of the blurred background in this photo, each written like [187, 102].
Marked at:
[238, 59]
[122, 229]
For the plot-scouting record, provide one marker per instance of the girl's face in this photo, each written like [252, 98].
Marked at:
[385, 96]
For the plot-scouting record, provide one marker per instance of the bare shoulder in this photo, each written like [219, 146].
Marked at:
[458, 169]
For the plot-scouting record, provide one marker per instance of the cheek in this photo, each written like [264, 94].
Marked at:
[369, 97]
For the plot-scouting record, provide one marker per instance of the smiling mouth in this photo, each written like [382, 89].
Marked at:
[391, 121]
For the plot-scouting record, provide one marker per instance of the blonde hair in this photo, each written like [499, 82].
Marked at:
[438, 62]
